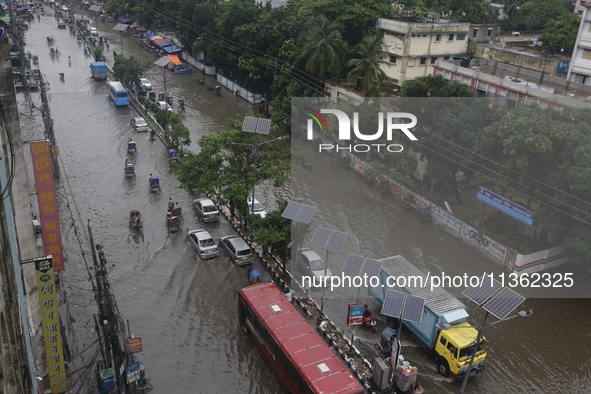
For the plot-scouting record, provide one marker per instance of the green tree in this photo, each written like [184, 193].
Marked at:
[225, 165]
[324, 51]
[129, 70]
[434, 86]
[367, 64]
[273, 234]
[561, 33]
[179, 137]
[544, 11]
[511, 7]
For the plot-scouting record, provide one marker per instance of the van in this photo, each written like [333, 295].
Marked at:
[237, 249]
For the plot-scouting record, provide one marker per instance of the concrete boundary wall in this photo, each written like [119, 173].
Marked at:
[493, 250]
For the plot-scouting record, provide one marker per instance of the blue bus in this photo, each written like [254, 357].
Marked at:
[118, 93]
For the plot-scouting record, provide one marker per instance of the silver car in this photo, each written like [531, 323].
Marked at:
[147, 84]
[312, 265]
[237, 249]
[139, 124]
[203, 243]
[206, 210]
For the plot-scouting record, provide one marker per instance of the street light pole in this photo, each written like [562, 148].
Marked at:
[476, 345]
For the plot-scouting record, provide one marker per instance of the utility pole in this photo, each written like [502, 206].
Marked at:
[108, 316]
[48, 122]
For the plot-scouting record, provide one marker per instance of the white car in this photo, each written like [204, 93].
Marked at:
[147, 84]
[312, 265]
[164, 105]
[94, 31]
[206, 210]
[139, 124]
[202, 243]
[259, 209]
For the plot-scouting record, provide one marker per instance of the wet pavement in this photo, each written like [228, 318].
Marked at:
[185, 308]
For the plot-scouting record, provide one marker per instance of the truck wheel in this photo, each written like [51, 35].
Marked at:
[443, 367]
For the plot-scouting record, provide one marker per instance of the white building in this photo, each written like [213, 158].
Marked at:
[580, 64]
[413, 48]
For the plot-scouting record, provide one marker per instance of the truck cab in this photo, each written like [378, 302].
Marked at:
[454, 348]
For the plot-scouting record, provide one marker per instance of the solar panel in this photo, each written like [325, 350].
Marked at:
[120, 27]
[353, 265]
[393, 302]
[250, 124]
[320, 237]
[292, 210]
[336, 241]
[413, 309]
[305, 215]
[263, 126]
[503, 303]
[480, 294]
[163, 61]
[372, 268]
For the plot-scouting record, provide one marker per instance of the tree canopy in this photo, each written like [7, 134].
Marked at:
[561, 33]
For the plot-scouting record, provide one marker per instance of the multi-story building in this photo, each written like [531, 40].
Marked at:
[580, 65]
[413, 48]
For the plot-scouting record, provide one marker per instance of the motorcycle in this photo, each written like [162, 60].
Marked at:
[368, 320]
[62, 77]
[153, 135]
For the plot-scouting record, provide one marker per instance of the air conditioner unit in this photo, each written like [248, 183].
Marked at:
[381, 373]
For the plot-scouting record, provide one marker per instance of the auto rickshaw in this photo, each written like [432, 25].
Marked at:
[135, 219]
[425, 213]
[129, 169]
[173, 224]
[173, 157]
[131, 147]
[406, 202]
[154, 183]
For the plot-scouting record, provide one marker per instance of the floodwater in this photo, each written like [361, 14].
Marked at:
[184, 308]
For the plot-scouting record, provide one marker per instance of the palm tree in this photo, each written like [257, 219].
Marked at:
[533, 21]
[511, 7]
[367, 64]
[324, 49]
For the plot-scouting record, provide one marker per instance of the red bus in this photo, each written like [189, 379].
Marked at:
[301, 361]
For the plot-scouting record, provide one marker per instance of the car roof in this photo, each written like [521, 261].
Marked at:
[311, 255]
[201, 233]
[140, 119]
[204, 201]
[235, 239]
[143, 79]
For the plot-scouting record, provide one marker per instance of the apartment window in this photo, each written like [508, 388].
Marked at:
[433, 60]
[461, 37]
[423, 61]
[474, 32]
[580, 78]
[586, 54]
[450, 38]
[438, 37]
[446, 58]
[393, 59]
[489, 33]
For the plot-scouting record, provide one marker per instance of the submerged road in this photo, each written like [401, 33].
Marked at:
[184, 308]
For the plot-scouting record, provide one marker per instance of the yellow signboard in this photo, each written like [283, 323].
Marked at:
[51, 325]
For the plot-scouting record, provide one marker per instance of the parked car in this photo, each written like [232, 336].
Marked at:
[147, 84]
[164, 105]
[139, 124]
[203, 243]
[206, 210]
[312, 265]
[259, 209]
[237, 249]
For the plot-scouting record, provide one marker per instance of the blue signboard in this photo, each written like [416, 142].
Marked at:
[507, 207]
[355, 317]
[133, 372]
[562, 68]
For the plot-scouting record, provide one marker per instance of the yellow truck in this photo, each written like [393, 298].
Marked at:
[452, 348]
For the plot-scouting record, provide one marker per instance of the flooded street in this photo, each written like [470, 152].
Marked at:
[185, 308]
